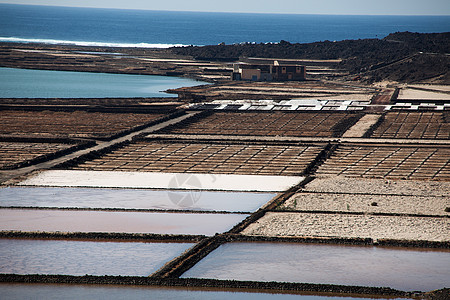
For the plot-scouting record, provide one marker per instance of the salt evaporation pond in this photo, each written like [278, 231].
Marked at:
[85, 257]
[25, 83]
[117, 221]
[132, 199]
[402, 269]
[167, 181]
[21, 291]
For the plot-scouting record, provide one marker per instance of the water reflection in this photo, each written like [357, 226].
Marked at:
[41, 291]
[84, 257]
[132, 198]
[408, 270]
[122, 222]
[23, 83]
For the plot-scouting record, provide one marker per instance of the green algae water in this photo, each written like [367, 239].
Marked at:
[23, 83]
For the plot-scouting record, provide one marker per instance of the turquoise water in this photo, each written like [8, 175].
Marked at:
[22, 83]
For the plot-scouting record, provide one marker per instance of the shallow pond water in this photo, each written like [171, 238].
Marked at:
[403, 269]
[119, 222]
[85, 257]
[132, 199]
[14, 291]
[25, 83]
[162, 180]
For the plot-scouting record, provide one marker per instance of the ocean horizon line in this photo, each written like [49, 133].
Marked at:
[229, 12]
[165, 29]
[88, 43]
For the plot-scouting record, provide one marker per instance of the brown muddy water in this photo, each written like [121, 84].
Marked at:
[402, 269]
[18, 291]
[60, 257]
[132, 199]
[117, 221]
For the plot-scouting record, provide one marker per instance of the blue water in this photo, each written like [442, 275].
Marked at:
[111, 27]
[23, 83]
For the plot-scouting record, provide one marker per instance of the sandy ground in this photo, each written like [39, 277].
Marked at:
[347, 196]
[300, 89]
[436, 87]
[418, 95]
[353, 97]
[361, 126]
[379, 186]
[368, 203]
[351, 226]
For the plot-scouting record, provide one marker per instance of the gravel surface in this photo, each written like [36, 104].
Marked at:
[379, 186]
[368, 203]
[351, 226]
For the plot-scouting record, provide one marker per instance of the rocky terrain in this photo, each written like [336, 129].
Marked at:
[401, 56]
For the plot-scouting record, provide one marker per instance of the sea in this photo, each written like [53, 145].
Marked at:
[162, 29]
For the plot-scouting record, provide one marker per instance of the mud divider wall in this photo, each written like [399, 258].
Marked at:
[235, 285]
[179, 265]
[102, 236]
[132, 104]
[177, 211]
[359, 213]
[320, 159]
[341, 241]
[394, 95]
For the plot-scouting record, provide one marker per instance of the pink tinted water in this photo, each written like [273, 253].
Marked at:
[132, 199]
[120, 222]
[403, 269]
[85, 257]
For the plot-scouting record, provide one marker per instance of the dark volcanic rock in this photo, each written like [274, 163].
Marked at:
[401, 56]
